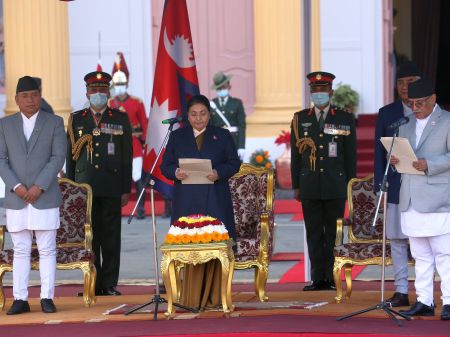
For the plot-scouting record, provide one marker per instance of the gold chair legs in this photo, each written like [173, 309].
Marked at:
[2, 293]
[261, 275]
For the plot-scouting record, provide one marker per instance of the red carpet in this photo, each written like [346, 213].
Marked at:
[274, 325]
[291, 256]
[298, 216]
[297, 272]
[286, 206]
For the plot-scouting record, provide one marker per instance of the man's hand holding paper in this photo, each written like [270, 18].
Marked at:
[403, 156]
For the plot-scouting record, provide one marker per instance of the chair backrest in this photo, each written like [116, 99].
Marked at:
[362, 203]
[75, 212]
[252, 193]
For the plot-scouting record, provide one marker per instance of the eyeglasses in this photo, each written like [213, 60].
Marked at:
[418, 103]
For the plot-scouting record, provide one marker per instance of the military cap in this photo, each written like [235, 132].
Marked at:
[407, 69]
[26, 83]
[423, 87]
[97, 79]
[320, 78]
[220, 79]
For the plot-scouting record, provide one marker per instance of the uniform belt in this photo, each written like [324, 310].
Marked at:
[231, 128]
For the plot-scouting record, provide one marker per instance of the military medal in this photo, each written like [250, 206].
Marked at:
[96, 132]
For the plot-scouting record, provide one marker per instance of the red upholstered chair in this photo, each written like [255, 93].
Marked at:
[252, 192]
[73, 239]
[363, 245]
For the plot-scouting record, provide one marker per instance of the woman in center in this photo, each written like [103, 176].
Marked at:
[201, 283]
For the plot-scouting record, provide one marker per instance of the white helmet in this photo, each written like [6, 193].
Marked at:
[119, 78]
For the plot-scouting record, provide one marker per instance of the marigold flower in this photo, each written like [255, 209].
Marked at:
[206, 238]
[259, 159]
[185, 238]
[195, 238]
[266, 154]
[216, 236]
[268, 165]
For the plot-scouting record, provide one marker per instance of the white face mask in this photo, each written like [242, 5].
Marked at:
[222, 93]
[98, 100]
[120, 90]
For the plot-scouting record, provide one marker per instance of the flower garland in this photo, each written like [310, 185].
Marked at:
[196, 229]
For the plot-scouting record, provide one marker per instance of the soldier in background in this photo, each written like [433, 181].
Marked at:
[100, 153]
[45, 106]
[228, 112]
[135, 109]
[323, 160]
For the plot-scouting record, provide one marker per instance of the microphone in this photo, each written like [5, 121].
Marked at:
[398, 123]
[174, 120]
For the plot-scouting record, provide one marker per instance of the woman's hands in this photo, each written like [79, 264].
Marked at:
[182, 174]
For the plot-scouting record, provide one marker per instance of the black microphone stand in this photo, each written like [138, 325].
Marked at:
[157, 299]
[383, 305]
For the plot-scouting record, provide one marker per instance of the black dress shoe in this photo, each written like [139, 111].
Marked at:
[329, 285]
[19, 307]
[419, 309]
[140, 214]
[398, 300]
[445, 313]
[315, 286]
[111, 291]
[47, 305]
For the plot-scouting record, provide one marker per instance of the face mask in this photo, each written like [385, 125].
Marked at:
[222, 93]
[120, 90]
[98, 100]
[320, 98]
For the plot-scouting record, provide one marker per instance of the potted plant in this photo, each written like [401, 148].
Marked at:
[261, 158]
[346, 98]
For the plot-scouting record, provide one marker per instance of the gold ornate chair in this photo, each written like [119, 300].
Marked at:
[252, 192]
[363, 246]
[73, 239]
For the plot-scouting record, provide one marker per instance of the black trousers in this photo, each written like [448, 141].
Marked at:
[320, 223]
[106, 226]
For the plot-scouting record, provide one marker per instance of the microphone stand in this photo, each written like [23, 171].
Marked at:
[157, 299]
[382, 305]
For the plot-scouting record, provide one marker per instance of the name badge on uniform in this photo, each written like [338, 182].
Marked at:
[332, 149]
[111, 149]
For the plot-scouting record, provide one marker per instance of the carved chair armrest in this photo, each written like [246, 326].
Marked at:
[340, 223]
[88, 236]
[2, 236]
[264, 235]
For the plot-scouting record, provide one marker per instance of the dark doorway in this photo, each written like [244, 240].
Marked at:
[430, 29]
[443, 63]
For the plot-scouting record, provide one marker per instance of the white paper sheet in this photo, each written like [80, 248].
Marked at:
[196, 169]
[404, 152]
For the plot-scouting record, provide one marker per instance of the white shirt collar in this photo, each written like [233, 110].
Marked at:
[325, 111]
[197, 133]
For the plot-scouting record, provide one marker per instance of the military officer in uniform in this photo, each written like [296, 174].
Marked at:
[228, 112]
[323, 150]
[100, 154]
[135, 109]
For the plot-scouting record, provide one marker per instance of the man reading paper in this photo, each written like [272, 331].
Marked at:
[425, 199]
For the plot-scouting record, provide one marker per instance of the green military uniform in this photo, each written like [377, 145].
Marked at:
[233, 111]
[321, 172]
[100, 154]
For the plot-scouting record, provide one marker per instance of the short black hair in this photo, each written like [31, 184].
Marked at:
[199, 99]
